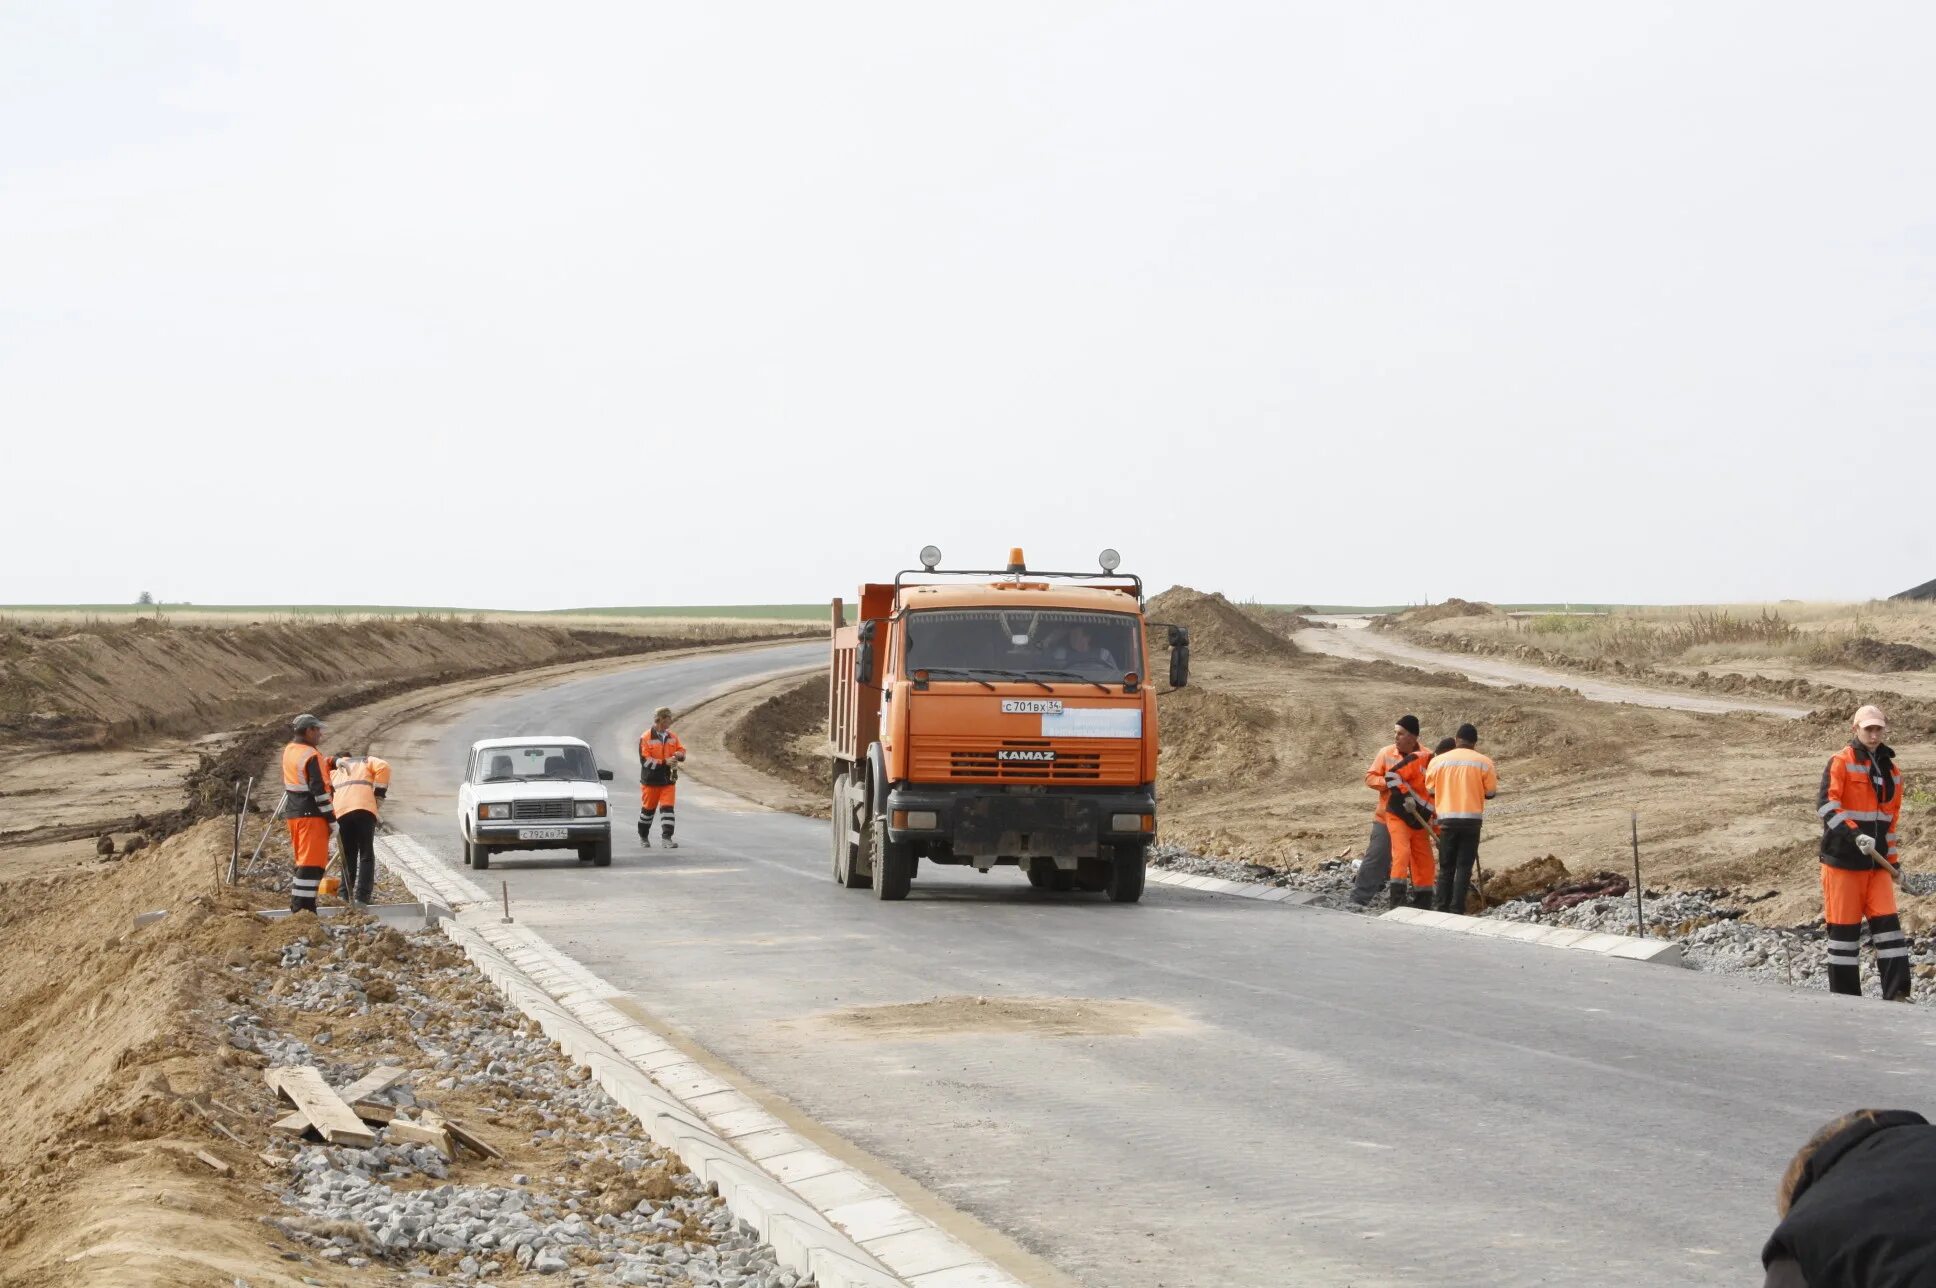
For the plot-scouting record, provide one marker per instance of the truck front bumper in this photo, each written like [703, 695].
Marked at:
[993, 820]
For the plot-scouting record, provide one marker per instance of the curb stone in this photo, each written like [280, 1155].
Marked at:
[821, 1216]
[1632, 947]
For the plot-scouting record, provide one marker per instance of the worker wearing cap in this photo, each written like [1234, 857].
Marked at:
[660, 754]
[1397, 774]
[359, 784]
[1859, 801]
[308, 808]
[1462, 781]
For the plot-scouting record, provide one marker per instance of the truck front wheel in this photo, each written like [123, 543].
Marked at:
[1126, 871]
[893, 864]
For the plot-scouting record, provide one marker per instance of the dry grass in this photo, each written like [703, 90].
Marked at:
[52, 624]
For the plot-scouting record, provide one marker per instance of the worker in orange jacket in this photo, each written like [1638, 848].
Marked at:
[1397, 774]
[308, 808]
[660, 755]
[1462, 780]
[1859, 801]
[358, 784]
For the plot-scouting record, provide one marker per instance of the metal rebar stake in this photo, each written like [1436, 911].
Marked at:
[506, 918]
[1640, 908]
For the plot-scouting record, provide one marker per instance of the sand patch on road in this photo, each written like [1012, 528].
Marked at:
[1047, 1017]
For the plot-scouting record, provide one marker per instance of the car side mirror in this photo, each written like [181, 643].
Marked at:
[1179, 656]
[604, 775]
[864, 659]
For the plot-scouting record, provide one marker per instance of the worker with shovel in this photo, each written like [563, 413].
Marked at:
[1397, 774]
[308, 808]
[1462, 781]
[1859, 801]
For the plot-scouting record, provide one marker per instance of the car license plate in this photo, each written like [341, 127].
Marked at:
[542, 834]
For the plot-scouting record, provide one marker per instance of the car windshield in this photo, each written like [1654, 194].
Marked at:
[1010, 643]
[536, 761]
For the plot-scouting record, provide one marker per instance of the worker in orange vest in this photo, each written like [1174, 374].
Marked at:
[358, 784]
[1859, 801]
[1397, 774]
[1462, 781]
[660, 755]
[308, 808]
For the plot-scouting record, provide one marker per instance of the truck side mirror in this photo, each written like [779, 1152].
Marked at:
[604, 775]
[1179, 656]
[864, 659]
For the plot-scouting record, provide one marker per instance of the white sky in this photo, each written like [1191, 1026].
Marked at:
[542, 306]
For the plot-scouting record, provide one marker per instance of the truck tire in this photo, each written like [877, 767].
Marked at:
[847, 858]
[893, 864]
[1126, 873]
[1092, 875]
[1041, 873]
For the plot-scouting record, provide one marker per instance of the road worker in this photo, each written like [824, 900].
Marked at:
[308, 809]
[1374, 870]
[1858, 1206]
[660, 755]
[1859, 801]
[1462, 780]
[357, 785]
[1397, 774]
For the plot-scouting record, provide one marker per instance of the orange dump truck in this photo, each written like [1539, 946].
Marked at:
[996, 717]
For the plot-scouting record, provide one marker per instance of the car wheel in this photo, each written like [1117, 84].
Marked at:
[480, 857]
[602, 853]
[893, 864]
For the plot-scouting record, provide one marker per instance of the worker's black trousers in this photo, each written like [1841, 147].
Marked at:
[1891, 953]
[1458, 852]
[357, 831]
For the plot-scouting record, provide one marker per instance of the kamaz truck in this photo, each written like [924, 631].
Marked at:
[983, 718]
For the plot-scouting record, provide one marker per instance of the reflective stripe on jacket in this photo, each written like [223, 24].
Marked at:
[1462, 781]
[305, 783]
[1859, 794]
[656, 751]
[1410, 774]
[359, 783]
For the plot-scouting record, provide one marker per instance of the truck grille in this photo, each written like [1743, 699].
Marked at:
[541, 809]
[1088, 760]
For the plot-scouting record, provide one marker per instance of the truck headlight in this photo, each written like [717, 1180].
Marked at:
[591, 809]
[500, 810]
[1132, 823]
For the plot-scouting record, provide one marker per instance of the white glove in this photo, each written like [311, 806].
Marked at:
[1866, 844]
[1393, 781]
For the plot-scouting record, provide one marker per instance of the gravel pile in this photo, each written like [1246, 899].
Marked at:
[582, 1193]
[1331, 882]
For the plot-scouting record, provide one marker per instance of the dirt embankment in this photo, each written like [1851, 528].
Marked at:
[1429, 613]
[146, 678]
[785, 735]
[1218, 628]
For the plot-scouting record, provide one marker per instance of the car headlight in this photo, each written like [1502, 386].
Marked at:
[500, 810]
[591, 809]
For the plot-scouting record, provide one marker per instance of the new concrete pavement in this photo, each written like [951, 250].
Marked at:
[1312, 1097]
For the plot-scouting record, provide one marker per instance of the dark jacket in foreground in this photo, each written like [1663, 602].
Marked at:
[1864, 1212]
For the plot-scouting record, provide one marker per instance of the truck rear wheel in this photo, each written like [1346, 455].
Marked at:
[1126, 871]
[848, 871]
[893, 864]
[1093, 874]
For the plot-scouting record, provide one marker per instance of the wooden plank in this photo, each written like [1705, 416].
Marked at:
[374, 1111]
[381, 1078]
[465, 1137]
[296, 1124]
[220, 1167]
[336, 1121]
[419, 1133]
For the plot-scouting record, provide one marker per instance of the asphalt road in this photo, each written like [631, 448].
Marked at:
[1318, 1098]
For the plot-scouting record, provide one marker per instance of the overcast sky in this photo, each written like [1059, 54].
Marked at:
[545, 306]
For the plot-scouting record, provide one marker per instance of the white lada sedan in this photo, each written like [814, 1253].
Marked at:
[534, 793]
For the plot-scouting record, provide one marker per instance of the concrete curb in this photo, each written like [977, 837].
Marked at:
[821, 1215]
[1238, 889]
[1632, 947]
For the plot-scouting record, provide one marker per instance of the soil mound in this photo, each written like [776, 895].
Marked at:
[786, 735]
[1878, 656]
[1535, 876]
[1218, 628]
[1454, 607]
[1925, 591]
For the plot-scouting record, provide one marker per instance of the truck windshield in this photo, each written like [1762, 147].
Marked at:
[1053, 644]
[534, 761]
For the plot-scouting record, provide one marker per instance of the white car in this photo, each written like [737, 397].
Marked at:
[535, 793]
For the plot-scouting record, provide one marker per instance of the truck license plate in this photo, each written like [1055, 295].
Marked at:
[1032, 706]
[542, 834]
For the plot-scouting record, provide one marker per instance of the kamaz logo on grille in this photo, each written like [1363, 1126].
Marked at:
[1030, 756]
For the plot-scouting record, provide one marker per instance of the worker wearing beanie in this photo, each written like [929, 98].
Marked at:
[660, 755]
[1859, 801]
[308, 809]
[1462, 781]
[1397, 774]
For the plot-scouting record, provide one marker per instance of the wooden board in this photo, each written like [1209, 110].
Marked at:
[465, 1137]
[381, 1078]
[220, 1167]
[334, 1120]
[418, 1133]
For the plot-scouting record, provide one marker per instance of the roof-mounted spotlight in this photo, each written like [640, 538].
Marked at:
[1109, 560]
[930, 557]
